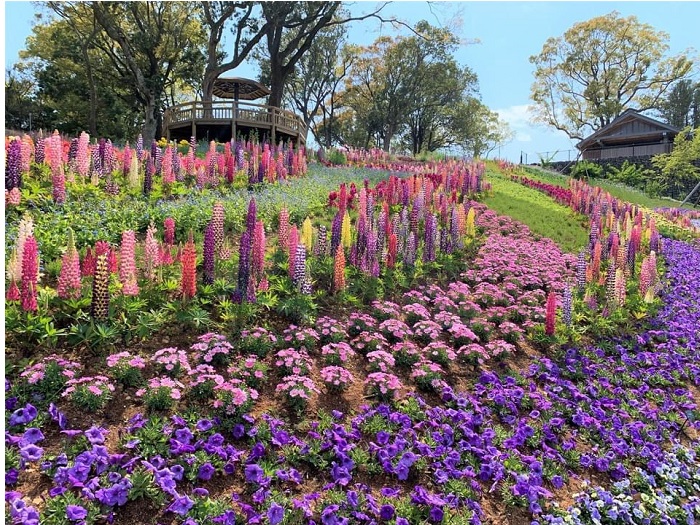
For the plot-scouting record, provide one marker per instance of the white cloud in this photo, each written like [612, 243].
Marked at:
[517, 116]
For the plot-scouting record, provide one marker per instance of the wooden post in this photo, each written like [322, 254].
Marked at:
[194, 120]
[234, 117]
[273, 128]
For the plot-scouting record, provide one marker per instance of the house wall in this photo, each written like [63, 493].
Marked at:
[641, 150]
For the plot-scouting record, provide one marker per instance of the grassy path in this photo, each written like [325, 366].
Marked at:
[540, 212]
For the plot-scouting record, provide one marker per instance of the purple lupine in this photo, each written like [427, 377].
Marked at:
[240, 157]
[581, 272]
[566, 306]
[593, 234]
[73, 153]
[251, 216]
[457, 242]
[148, 177]
[193, 143]
[155, 155]
[654, 241]
[415, 217]
[209, 254]
[109, 158]
[305, 287]
[96, 162]
[13, 166]
[335, 232]
[430, 238]
[299, 265]
[244, 264]
[410, 254]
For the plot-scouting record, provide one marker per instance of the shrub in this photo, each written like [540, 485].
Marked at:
[161, 394]
[586, 169]
[126, 368]
[336, 158]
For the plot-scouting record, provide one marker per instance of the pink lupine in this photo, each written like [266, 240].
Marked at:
[283, 232]
[30, 274]
[550, 315]
[258, 261]
[151, 251]
[167, 166]
[169, 231]
[82, 158]
[293, 241]
[127, 268]
[69, 283]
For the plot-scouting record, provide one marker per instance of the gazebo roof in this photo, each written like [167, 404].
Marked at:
[239, 88]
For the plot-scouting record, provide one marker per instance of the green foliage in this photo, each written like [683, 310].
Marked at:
[677, 169]
[586, 170]
[336, 157]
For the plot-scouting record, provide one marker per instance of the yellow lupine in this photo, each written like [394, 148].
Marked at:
[470, 227]
[345, 232]
[307, 234]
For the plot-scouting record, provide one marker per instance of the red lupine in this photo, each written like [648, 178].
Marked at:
[69, 283]
[88, 265]
[30, 274]
[169, 230]
[391, 250]
[13, 293]
[339, 270]
[188, 283]
[550, 315]
[100, 289]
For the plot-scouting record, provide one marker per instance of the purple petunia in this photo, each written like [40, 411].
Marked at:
[76, 512]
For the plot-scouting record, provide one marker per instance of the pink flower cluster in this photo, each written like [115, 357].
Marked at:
[337, 353]
[172, 387]
[171, 361]
[293, 361]
[385, 386]
[37, 372]
[124, 359]
[212, 348]
[336, 378]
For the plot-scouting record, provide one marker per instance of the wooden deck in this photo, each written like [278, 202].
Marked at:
[224, 120]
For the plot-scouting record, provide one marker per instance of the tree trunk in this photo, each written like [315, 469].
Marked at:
[150, 123]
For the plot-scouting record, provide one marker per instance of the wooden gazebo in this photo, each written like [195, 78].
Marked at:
[235, 115]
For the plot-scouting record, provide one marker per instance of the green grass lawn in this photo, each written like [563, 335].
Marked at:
[615, 189]
[540, 212]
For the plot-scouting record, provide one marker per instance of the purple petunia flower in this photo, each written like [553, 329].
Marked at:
[32, 435]
[275, 514]
[253, 473]
[31, 452]
[206, 471]
[203, 425]
[386, 512]
[181, 505]
[95, 435]
[23, 416]
[76, 512]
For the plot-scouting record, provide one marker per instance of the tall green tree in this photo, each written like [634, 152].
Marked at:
[153, 43]
[682, 105]
[599, 68]
[405, 87]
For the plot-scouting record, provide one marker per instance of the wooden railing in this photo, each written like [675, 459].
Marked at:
[237, 113]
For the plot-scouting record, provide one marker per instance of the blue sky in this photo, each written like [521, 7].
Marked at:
[508, 33]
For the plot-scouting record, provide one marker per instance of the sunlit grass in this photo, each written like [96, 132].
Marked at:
[538, 211]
